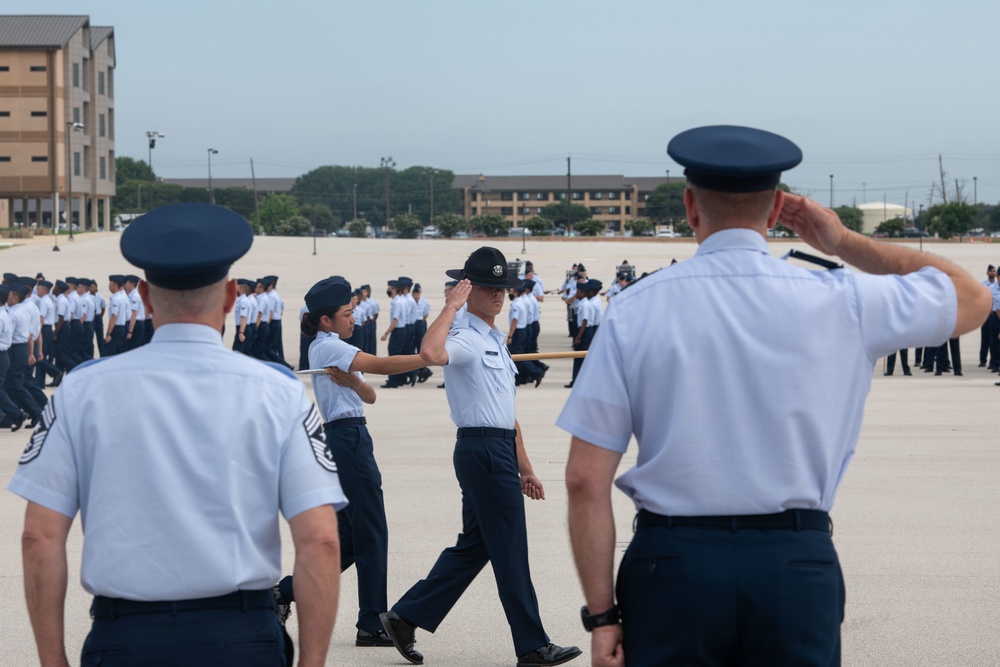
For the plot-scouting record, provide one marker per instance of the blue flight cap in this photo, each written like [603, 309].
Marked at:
[62, 285]
[186, 246]
[332, 292]
[271, 279]
[4, 293]
[529, 285]
[246, 282]
[395, 284]
[405, 281]
[594, 285]
[45, 283]
[729, 158]
[25, 280]
[10, 276]
[19, 288]
[70, 280]
[117, 278]
[132, 278]
[83, 281]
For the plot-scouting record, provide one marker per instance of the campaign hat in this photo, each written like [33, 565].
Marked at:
[486, 267]
[732, 158]
[186, 246]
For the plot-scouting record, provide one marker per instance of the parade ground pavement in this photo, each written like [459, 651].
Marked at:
[917, 519]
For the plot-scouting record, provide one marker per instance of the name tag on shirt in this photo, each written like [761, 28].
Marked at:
[492, 353]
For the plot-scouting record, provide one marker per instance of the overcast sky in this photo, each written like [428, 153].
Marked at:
[871, 91]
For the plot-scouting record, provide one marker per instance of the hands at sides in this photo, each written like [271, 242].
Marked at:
[815, 224]
[531, 486]
[606, 646]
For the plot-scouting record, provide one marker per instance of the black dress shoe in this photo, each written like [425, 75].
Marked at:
[56, 380]
[982, 365]
[958, 373]
[402, 635]
[539, 379]
[373, 638]
[441, 386]
[424, 374]
[570, 385]
[937, 372]
[887, 373]
[550, 654]
[389, 385]
[18, 422]
[906, 372]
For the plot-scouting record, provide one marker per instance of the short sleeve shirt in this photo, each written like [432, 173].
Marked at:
[479, 375]
[335, 402]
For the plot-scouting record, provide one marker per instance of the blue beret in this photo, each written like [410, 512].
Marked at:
[186, 246]
[62, 285]
[332, 292]
[19, 288]
[729, 158]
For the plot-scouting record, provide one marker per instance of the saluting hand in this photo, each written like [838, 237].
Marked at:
[459, 295]
[531, 486]
[815, 224]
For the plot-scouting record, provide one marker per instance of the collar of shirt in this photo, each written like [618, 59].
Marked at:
[733, 239]
[187, 333]
[326, 334]
[484, 330]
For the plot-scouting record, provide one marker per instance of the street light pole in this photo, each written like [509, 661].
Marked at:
[211, 193]
[831, 191]
[152, 135]
[975, 190]
[71, 127]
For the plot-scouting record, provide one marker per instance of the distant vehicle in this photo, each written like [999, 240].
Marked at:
[666, 234]
[995, 235]
[518, 231]
[122, 219]
[914, 234]
[879, 235]
[461, 235]
[431, 232]
[342, 232]
[610, 233]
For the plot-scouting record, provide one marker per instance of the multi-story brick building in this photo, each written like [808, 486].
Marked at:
[56, 85]
[611, 199]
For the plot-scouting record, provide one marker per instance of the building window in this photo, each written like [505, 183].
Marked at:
[577, 196]
[596, 210]
[39, 158]
[100, 125]
[628, 210]
[506, 196]
[4, 114]
[524, 196]
[473, 210]
[37, 68]
[507, 210]
[628, 195]
[103, 167]
[111, 123]
[4, 158]
[614, 210]
[39, 114]
[538, 210]
[86, 74]
[100, 83]
[596, 195]
[540, 196]
[86, 161]
[76, 75]
[76, 114]
[613, 195]
[111, 83]
[645, 196]
[76, 163]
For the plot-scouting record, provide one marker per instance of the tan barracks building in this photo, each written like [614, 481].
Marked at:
[56, 85]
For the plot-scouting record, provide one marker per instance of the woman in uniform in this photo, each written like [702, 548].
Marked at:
[341, 394]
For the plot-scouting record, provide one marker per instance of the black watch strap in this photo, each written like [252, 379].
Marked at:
[591, 621]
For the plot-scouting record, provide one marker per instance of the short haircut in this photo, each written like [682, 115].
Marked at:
[173, 304]
[724, 208]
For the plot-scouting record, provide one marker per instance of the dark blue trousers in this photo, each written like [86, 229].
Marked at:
[304, 343]
[87, 341]
[584, 344]
[397, 345]
[10, 410]
[493, 531]
[527, 371]
[274, 347]
[14, 384]
[117, 343]
[714, 596]
[364, 534]
[236, 637]
[99, 333]
[372, 338]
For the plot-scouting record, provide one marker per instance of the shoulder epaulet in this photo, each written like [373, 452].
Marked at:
[644, 275]
[282, 369]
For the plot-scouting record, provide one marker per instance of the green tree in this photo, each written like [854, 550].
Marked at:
[129, 169]
[358, 228]
[296, 225]
[237, 199]
[491, 225]
[320, 216]
[952, 219]
[539, 225]
[683, 228]
[274, 209]
[639, 226]
[590, 227]
[852, 217]
[893, 228]
[407, 225]
[557, 213]
[450, 224]
[666, 202]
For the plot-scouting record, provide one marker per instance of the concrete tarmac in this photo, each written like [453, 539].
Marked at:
[917, 520]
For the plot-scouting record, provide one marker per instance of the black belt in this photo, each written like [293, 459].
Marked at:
[485, 432]
[103, 607]
[787, 520]
[347, 421]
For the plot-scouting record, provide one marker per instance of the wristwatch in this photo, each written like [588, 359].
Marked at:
[591, 621]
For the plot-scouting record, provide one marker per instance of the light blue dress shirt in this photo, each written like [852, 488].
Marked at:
[181, 498]
[745, 385]
[334, 401]
[479, 376]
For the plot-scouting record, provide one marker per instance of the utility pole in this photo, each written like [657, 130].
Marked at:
[355, 201]
[831, 191]
[256, 204]
[569, 194]
[387, 164]
[211, 192]
[944, 192]
[430, 173]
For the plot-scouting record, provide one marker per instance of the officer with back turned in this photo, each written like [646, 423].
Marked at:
[204, 441]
